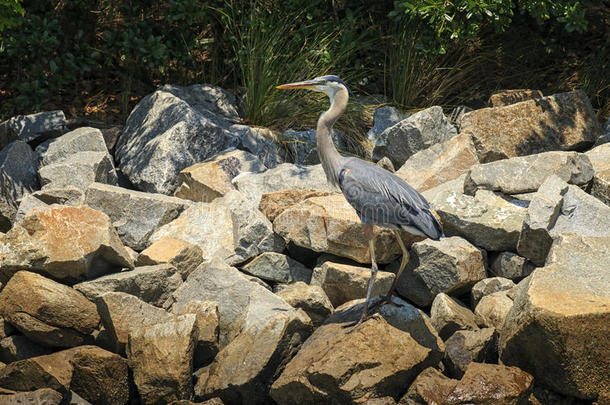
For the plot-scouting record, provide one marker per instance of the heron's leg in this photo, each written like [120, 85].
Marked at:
[403, 264]
[365, 310]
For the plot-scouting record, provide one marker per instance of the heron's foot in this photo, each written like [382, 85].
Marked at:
[354, 325]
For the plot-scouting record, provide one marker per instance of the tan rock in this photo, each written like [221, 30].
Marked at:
[310, 298]
[161, 357]
[377, 360]
[329, 224]
[44, 396]
[344, 282]
[206, 318]
[507, 97]
[439, 163]
[493, 309]
[211, 179]
[600, 159]
[47, 312]
[67, 243]
[449, 315]
[184, 256]
[274, 203]
[564, 121]
[430, 387]
[559, 326]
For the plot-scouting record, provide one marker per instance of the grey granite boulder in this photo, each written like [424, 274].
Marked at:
[279, 268]
[171, 129]
[83, 139]
[18, 176]
[510, 265]
[450, 265]
[600, 159]
[134, 214]
[525, 174]
[261, 142]
[302, 148]
[384, 118]
[282, 177]
[229, 227]
[417, 132]
[79, 170]
[33, 127]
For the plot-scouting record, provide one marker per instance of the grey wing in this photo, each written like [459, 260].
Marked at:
[382, 198]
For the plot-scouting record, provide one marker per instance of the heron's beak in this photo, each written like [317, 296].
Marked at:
[307, 84]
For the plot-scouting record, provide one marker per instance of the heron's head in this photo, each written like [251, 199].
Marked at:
[329, 85]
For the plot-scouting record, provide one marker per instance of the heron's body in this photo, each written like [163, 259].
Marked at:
[378, 196]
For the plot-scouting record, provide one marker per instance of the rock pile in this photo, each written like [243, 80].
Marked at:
[231, 275]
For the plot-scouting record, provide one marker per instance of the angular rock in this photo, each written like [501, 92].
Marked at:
[600, 159]
[121, 313]
[184, 256]
[302, 148]
[511, 266]
[274, 203]
[310, 298]
[64, 196]
[378, 359]
[329, 224]
[507, 97]
[44, 396]
[66, 243]
[525, 174]
[258, 332]
[18, 347]
[466, 346]
[417, 132]
[439, 163]
[32, 127]
[343, 282]
[485, 220]
[151, 284]
[559, 208]
[172, 129]
[279, 268]
[493, 309]
[206, 319]
[79, 170]
[18, 176]
[384, 118]
[28, 203]
[211, 179]
[229, 227]
[563, 303]
[83, 139]
[47, 312]
[94, 374]
[489, 286]
[386, 164]
[134, 214]
[261, 142]
[282, 177]
[563, 121]
[429, 388]
[449, 315]
[450, 265]
[161, 357]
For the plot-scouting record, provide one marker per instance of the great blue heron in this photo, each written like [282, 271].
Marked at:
[378, 196]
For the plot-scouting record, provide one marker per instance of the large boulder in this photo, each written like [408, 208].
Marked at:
[525, 174]
[47, 312]
[559, 326]
[417, 132]
[32, 128]
[261, 142]
[184, 256]
[302, 148]
[278, 268]
[172, 129]
[83, 139]
[600, 159]
[564, 121]
[282, 177]
[134, 214]
[66, 243]
[450, 265]
[161, 357]
[439, 163]
[211, 179]
[344, 282]
[229, 227]
[152, 284]
[384, 118]
[79, 170]
[486, 220]
[378, 359]
[18, 176]
[258, 332]
[330, 224]
[310, 298]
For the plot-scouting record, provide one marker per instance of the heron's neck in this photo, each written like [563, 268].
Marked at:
[329, 156]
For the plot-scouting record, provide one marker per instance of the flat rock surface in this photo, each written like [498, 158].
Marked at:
[83, 139]
[563, 121]
[184, 256]
[279, 268]
[310, 298]
[79, 170]
[274, 203]
[512, 96]
[47, 312]
[67, 243]
[562, 313]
